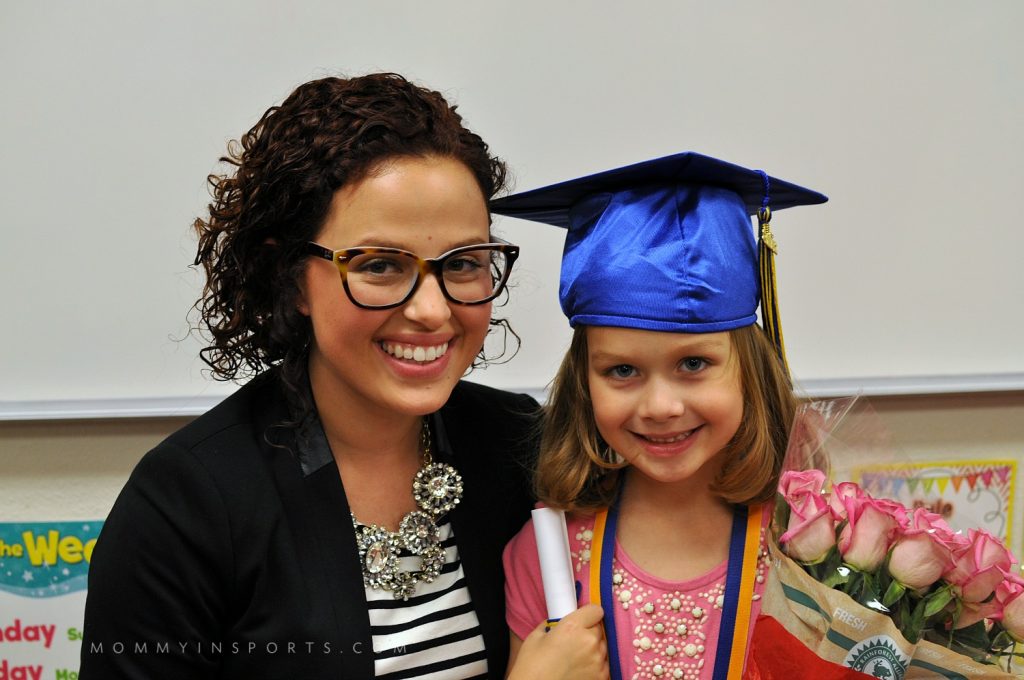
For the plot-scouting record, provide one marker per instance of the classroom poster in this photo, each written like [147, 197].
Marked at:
[976, 494]
[43, 574]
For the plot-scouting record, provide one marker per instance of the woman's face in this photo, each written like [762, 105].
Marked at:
[427, 206]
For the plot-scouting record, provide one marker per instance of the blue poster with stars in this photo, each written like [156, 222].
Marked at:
[44, 569]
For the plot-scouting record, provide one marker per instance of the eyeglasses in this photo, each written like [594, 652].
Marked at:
[381, 278]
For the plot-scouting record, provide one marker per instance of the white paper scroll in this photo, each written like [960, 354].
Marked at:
[555, 562]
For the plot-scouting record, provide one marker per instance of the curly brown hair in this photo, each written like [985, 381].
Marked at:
[286, 169]
[576, 472]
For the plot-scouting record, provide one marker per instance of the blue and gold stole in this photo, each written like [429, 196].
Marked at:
[744, 546]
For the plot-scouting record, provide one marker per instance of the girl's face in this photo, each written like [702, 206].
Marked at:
[667, 402]
[427, 206]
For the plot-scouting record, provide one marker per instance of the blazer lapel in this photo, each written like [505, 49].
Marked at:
[319, 516]
[476, 543]
[333, 524]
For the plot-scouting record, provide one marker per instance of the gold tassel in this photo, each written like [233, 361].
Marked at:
[769, 291]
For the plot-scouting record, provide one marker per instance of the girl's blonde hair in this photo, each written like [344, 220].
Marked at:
[577, 471]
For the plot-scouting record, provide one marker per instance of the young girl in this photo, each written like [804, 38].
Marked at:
[669, 415]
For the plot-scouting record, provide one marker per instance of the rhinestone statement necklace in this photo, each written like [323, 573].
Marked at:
[437, 488]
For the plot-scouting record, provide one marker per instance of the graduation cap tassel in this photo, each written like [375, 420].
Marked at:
[769, 291]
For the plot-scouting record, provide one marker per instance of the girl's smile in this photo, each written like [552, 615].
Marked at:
[667, 444]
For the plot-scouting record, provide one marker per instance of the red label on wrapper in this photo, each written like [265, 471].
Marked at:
[777, 655]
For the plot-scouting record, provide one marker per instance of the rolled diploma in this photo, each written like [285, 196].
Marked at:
[555, 562]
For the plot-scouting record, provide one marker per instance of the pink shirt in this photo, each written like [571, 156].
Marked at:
[665, 629]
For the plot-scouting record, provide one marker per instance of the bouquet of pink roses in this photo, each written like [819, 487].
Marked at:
[961, 592]
[866, 584]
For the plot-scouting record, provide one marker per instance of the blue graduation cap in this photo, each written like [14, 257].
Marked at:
[666, 244]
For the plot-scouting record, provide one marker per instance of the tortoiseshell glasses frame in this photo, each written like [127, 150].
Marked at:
[377, 277]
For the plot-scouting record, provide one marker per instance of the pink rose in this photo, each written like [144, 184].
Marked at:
[896, 510]
[979, 566]
[872, 527]
[842, 491]
[794, 484]
[811, 532]
[973, 612]
[1008, 595]
[923, 551]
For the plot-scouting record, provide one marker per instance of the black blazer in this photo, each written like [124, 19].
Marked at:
[230, 552]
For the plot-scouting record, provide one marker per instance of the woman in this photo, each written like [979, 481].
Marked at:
[343, 514]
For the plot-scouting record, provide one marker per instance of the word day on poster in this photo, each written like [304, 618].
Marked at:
[43, 574]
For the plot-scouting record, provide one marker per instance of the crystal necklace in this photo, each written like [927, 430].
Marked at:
[437, 488]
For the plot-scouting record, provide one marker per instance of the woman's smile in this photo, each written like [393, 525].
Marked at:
[422, 360]
[417, 353]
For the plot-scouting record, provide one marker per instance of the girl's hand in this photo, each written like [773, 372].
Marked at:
[575, 648]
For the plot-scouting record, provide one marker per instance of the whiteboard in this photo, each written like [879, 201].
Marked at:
[908, 115]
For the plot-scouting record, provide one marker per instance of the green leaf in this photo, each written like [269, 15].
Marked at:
[884, 578]
[836, 578]
[912, 630]
[973, 636]
[937, 601]
[854, 583]
[816, 569]
[869, 590]
[781, 515]
[1002, 640]
[902, 617]
[893, 593]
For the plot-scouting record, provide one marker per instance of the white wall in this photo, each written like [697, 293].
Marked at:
[907, 114]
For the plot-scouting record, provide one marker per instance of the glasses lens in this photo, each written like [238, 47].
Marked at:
[380, 279]
[475, 275]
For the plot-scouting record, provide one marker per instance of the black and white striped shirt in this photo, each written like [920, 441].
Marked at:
[435, 634]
